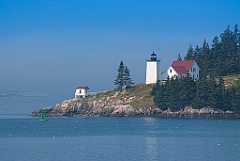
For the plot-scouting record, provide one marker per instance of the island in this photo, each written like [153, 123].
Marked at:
[136, 101]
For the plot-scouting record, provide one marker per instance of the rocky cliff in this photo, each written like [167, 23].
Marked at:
[134, 102]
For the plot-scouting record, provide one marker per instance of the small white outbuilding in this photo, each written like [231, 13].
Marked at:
[81, 92]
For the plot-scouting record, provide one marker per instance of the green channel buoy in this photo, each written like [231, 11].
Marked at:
[43, 116]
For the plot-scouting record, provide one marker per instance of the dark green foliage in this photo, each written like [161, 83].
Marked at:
[201, 96]
[221, 59]
[127, 78]
[190, 53]
[175, 94]
[119, 81]
[187, 91]
[232, 99]
[172, 96]
[160, 92]
[123, 79]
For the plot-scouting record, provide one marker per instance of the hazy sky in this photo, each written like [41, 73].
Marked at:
[50, 46]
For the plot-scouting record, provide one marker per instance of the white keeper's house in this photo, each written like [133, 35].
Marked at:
[180, 68]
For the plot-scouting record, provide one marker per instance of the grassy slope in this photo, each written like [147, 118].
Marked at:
[231, 80]
[141, 94]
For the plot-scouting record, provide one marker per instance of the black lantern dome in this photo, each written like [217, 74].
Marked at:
[153, 57]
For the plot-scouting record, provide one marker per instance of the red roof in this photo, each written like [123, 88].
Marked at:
[82, 87]
[182, 67]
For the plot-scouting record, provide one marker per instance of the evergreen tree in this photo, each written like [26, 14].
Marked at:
[205, 53]
[179, 57]
[187, 90]
[211, 92]
[119, 81]
[216, 57]
[219, 94]
[127, 78]
[201, 96]
[229, 47]
[172, 94]
[155, 88]
[190, 53]
[160, 96]
[123, 79]
[196, 52]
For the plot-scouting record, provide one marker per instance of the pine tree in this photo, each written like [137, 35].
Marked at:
[127, 78]
[229, 47]
[190, 53]
[123, 79]
[179, 57]
[160, 96]
[119, 81]
[187, 90]
[196, 52]
[219, 94]
[201, 96]
[216, 57]
[172, 94]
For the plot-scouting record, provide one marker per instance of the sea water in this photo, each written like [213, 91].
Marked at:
[139, 139]
[63, 139]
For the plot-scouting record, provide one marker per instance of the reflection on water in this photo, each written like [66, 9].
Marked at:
[151, 144]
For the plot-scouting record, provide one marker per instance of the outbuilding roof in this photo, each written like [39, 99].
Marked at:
[82, 87]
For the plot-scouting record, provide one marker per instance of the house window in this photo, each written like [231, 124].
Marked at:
[194, 69]
[170, 70]
[80, 91]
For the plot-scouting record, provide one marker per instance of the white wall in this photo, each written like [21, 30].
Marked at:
[80, 93]
[171, 72]
[152, 72]
[194, 71]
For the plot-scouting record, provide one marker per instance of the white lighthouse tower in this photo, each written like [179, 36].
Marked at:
[153, 69]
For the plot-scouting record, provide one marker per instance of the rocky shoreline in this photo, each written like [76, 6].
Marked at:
[82, 108]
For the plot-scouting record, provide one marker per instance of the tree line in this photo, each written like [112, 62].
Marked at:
[215, 62]
[222, 58]
[176, 94]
